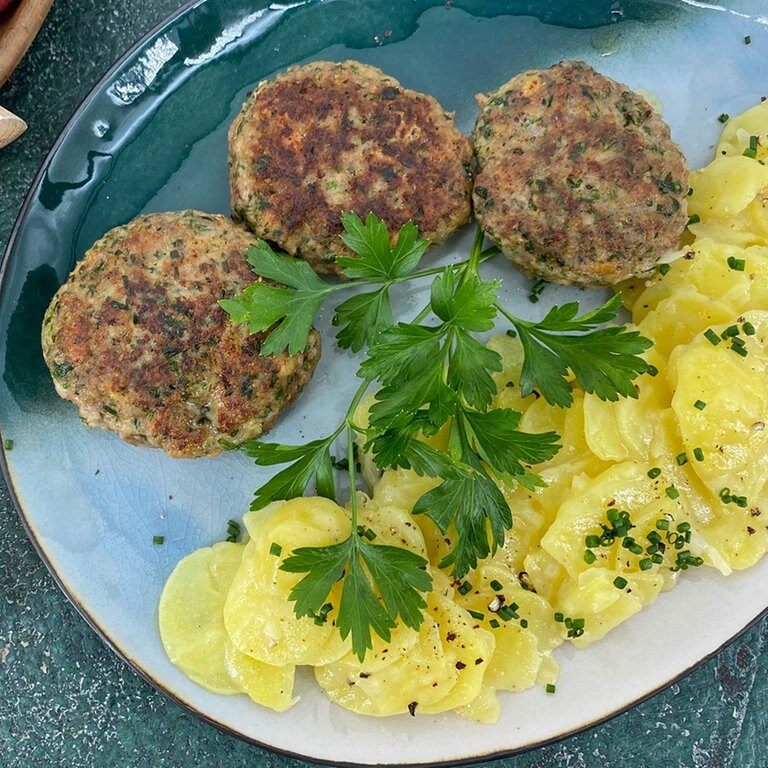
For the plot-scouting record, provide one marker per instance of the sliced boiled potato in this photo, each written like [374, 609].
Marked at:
[594, 598]
[258, 613]
[443, 670]
[508, 379]
[543, 573]
[484, 708]
[736, 133]
[679, 318]
[267, 685]
[194, 637]
[630, 428]
[705, 269]
[726, 187]
[190, 615]
[622, 487]
[721, 403]
[523, 644]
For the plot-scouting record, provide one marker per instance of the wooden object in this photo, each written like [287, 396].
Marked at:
[18, 27]
[11, 127]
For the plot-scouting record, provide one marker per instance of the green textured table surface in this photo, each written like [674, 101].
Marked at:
[66, 700]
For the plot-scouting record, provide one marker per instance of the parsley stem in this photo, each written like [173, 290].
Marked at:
[474, 255]
[352, 473]
[512, 319]
[479, 257]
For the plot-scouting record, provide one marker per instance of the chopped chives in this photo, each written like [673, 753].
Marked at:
[662, 525]
[620, 582]
[700, 405]
[559, 617]
[730, 332]
[476, 614]
[724, 117]
[657, 558]
[681, 458]
[739, 349]
[683, 527]
[496, 586]
[551, 688]
[465, 588]
[524, 623]
[275, 549]
[645, 564]
[748, 328]
[233, 531]
[592, 541]
[712, 337]
[672, 492]
[494, 623]
[508, 612]
[664, 268]
[158, 539]
[589, 556]
[694, 219]
[736, 264]
[753, 142]
[536, 290]
[9, 444]
[698, 454]
[654, 472]
[369, 534]
[749, 152]
[747, 40]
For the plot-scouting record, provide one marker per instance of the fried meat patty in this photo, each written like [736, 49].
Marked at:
[578, 181]
[136, 339]
[323, 138]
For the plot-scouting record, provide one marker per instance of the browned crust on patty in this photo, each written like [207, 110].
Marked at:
[578, 180]
[327, 137]
[136, 338]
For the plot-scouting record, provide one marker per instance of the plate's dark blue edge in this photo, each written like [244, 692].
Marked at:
[183, 10]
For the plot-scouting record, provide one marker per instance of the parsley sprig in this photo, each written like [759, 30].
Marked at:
[431, 373]
[399, 576]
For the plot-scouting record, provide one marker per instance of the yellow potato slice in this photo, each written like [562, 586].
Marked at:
[594, 597]
[736, 133]
[190, 615]
[624, 487]
[729, 426]
[705, 269]
[267, 685]
[257, 613]
[484, 708]
[508, 379]
[726, 187]
[443, 670]
[543, 573]
[678, 319]
[194, 637]
[630, 428]
[729, 433]
[523, 644]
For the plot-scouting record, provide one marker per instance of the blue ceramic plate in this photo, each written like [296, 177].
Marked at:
[151, 137]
